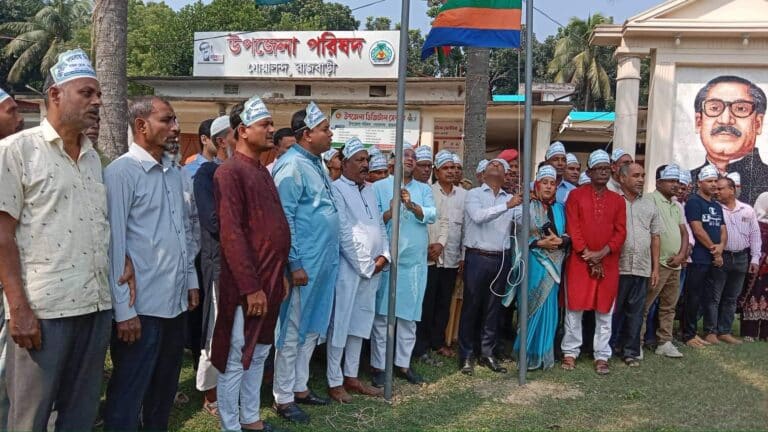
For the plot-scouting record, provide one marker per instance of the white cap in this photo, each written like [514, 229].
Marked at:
[71, 65]
[736, 177]
[220, 124]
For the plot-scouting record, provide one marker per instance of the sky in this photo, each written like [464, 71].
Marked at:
[560, 11]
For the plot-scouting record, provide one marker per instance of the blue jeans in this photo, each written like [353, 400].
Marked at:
[145, 376]
[701, 281]
[720, 307]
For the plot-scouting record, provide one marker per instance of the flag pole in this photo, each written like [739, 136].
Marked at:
[393, 247]
[522, 302]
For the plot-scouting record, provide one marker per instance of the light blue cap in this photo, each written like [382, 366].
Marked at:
[571, 159]
[685, 177]
[598, 157]
[327, 156]
[457, 160]
[584, 179]
[253, 111]
[71, 65]
[546, 171]
[670, 172]
[423, 154]
[617, 154]
[314, 116]
[736, 177]
[373, 151]
[378, 163]
[219, 125]
[708, 172]
[443, 157]
[352, 146]
[503, 163]
[556, 148]
[482, 166]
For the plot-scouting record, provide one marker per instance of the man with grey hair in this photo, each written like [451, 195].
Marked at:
[149, 223]
[54, 239]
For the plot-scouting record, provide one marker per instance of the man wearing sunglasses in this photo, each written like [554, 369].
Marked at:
[729, 117]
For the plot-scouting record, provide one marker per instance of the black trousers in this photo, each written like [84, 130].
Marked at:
[435, 309]
[701, 281]
[628, 315]
[481, 307]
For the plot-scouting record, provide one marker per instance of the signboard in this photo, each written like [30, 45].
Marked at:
[373, 127]
[449, 135]
[303, 54]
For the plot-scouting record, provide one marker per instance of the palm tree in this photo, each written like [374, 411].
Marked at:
[39, 40]
[578, 63]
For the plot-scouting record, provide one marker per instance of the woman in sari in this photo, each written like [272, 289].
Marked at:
[548, 244]
[754, 299]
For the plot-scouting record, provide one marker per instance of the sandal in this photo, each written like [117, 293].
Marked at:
[631, 362]
[601, 367]
[180, 399]
[211, 408]
[569, 363]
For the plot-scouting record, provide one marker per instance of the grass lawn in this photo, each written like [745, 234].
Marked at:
[719, 387]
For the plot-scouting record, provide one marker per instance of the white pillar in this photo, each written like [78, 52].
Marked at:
[627, 97]
[661, 113]
[542, 137]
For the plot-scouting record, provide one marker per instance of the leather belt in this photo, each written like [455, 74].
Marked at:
[485, 252]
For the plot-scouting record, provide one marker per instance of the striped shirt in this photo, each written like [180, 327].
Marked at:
[743, 230]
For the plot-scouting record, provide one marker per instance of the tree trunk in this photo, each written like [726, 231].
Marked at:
[475, 109]
[110, 30]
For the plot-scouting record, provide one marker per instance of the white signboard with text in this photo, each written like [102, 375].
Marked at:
[373, 127]
[449, 135]
[299, 54]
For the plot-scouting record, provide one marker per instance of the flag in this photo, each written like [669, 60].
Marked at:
[475, 23]
[442, 54]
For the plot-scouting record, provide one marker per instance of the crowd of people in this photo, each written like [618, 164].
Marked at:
[231, 257]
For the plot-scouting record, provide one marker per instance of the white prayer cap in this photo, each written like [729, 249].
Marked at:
[373, 151]
[708, 172]
[352, 146]
[378, 163]
[4, 95]
[442, 158]
[327, 156]
[584, 179]
[482, 166]
[736, 177]
[254, 110]
[571, 159]
[423, 154]
[314, 116]
[556, 148]
[219, 125]
[503, 163]
[71, 65]
[406, 146]
[546, 171]
[685, 177]
[598, 157]
[670, 172]
[457, 160]
[617, 154]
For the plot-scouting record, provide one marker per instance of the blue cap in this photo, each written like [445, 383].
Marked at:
[71, 65]
[670, 172]
[378, 163]
[314, 116]
[708, 172]
[556, 148]
[481, 166]
[685, 177]
[253, 111]
[598, 157]
[584, 179]
[423, 153]
[352, 146]
[546, 171]
[571, 159]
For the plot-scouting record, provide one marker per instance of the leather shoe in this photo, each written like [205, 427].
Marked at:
[378, 378]
[467, 367]
[310, 399]
[729, 339]
[354, 385]
[492, 364]
[291, 412]
[265, 427]
[339, 394]
[410, 376]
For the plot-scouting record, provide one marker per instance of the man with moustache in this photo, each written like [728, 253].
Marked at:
[255, 240]
[150, 224]
[572, 169]
[364, 254]
[417, 211]
[619, 158]
[54, 241]
[423, 170]
[313, 261]
[729, 113]
[377, 168]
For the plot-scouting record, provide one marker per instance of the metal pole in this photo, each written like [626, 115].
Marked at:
[393, 246]
[522, 300]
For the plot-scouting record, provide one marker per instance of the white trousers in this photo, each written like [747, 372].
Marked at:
[206, 373]
[404, 342]
[571, 344]
[292, 360]
[351, 354]
[239, 391]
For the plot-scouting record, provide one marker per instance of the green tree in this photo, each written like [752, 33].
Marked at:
[39, 39]
[588, 67]
[378, 23]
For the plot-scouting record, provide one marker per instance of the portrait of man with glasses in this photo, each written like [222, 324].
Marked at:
[729, 112]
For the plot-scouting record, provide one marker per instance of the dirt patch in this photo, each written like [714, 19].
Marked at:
[529, 394]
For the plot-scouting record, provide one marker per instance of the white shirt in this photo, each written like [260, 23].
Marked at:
[62, 232]
[487, 220]
[449, 227]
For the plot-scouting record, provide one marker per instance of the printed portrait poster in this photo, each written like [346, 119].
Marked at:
[719, 116]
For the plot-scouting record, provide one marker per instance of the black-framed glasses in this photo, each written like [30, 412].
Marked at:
[738, 108]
